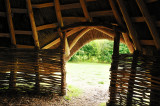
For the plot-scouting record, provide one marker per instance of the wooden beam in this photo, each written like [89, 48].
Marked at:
[2, 14]
[74, 19]
[85, 11]
[148, 20]
[107, 32]
[7, 35]
[84, 31]
[58, 39]
[44, 5]
[17, 10]
[33, 25]
[101, 13]
[58, 13]
[151, 1]
[130, 27]
[128, 42]
[10, 22]
[63, 7]
[147, 42]
[43, 27]
[19, 32]
[121, 24]
[70, 6]
[25, 46]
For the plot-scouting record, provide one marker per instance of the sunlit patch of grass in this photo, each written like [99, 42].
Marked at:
[100, 82]
[73, 92]
[102, 104]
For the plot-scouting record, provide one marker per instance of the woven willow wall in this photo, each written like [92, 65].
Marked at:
[137, 81]
[31, 71]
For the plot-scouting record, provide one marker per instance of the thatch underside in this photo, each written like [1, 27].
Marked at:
[35, 23]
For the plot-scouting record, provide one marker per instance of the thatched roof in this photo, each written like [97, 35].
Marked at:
[40, 23]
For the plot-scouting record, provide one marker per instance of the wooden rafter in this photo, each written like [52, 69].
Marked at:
[107, 32]
[147, 42]
[85, 11]
[33, 25]
[5, 35]
[84, 31]
[58, 39]
[101, 13]
[15, 10]
[10, 22]
[130, 27]
[149, 22]
[58, 13]
[19, 32]
[120, 23]
[47, 26]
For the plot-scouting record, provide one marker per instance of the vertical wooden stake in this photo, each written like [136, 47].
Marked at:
[114, 68]
[63, 70]
[132, 77]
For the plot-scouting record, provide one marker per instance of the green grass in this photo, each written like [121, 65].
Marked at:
[88, 73]
[73, 92]
[102, 104]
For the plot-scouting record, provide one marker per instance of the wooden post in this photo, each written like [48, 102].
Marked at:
[130, 27]
[63, 70]
[33, 25]
[114, 67]
[85, 11]
[10, 23]
[37, 84]
[131, 78]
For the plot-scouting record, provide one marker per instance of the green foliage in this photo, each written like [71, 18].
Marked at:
[102, 104]
[98, 51]
[73, 92]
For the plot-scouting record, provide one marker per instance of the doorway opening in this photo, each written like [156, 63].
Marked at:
[88, 73]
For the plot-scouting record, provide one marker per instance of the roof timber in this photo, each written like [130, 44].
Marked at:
[33, 25]
[149, 22]
[130, 27]
[121, 24]
[10, 22]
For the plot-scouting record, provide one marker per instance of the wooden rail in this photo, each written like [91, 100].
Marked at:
[43, 27]
[101, 13]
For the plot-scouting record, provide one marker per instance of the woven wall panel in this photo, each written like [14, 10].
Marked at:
[137, 85]
[31, 71]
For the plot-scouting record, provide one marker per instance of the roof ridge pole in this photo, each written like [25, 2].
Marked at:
[10, 23]
[33, 24]
[149, 22]
[129, 24]
[85, 10]
[120, 22]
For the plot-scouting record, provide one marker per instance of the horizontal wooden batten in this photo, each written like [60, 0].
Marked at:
[65, 6]
[47, 26]
[74, 19]
[19, 32]
[151, 1]
[24, 46]
[101, 13]
[147, 42]
[44, 5]
[20, 11]
[2, 14]
[141, 19]
[7, 35]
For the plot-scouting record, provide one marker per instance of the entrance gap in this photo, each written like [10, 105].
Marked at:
[88, 73]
